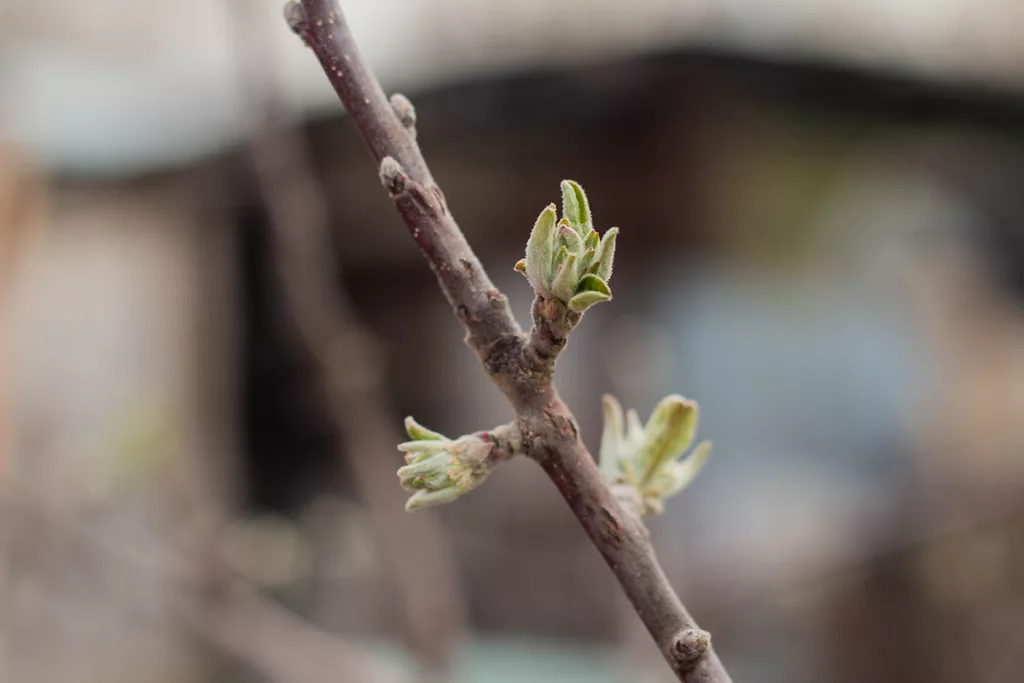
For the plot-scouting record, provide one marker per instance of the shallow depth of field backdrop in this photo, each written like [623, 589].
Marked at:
[822, 214]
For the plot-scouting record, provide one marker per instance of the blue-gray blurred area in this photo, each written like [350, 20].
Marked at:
[822, 242]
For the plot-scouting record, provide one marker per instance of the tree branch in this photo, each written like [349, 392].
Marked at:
[481, 307]
[522, 369]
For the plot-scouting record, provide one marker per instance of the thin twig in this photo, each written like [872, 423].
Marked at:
[522, 368]
[351, 372]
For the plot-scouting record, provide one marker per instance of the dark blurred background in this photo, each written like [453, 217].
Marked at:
[822, 215]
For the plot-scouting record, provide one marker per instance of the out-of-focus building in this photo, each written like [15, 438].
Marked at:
[87, 85]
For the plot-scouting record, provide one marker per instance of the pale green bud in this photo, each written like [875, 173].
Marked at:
[567, 259]
[439, 469]
[648, 460]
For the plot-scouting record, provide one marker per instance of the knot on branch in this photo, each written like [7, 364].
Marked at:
[689, 647]
[502, 355]
[393, 176]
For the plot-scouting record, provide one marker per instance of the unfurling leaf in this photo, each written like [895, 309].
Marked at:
[668, 433]
[592, 283]
[687, 469]
[418, 432]
[539, 248]
[569, 238]
[586, 260]
[439, 469]
[565, 280]
[644, 465]
[605, 255]
[566, 258]
[584, 300]
[521, 266]
[423, 465]
[591, 290]
[561, 257]
[576, 208]
[423, 499]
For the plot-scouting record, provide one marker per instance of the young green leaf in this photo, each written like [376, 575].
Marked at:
[592, 283]
[686, 470]
[564, 283]
[668, 434]
[429, 446]
[576, 208]
[423, 499]
[539, 248]
[561, 257]
[413, 474]
[520, 266]
[592, 240]
[586, 260]
[418, 432]
[570, 239]
[584, 300]
[602, 266]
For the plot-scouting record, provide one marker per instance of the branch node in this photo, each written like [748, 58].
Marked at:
[404, 110]
[690, 646]
[393, 176]
[295, 15]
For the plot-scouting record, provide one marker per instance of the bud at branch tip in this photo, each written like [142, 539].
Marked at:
[566, 259]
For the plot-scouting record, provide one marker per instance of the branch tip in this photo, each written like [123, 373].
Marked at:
[393, 176]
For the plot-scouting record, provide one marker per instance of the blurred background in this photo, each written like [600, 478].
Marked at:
[213, 323]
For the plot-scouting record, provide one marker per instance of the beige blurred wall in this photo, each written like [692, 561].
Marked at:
[118, 340]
